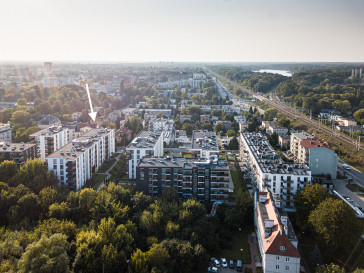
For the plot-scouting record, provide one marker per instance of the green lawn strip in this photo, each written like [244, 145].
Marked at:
[95, 181]
[354, 188]
[238, 241]
[106, 165]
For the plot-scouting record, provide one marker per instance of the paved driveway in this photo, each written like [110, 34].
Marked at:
[340, 188]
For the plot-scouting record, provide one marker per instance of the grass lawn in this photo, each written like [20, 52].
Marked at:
[354, 188]
[239, 241]
[95, 181]
[360, 194]
[237, 177]
[106, 165]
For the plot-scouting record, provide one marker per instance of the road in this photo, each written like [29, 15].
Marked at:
[358, 177]
[276, 103]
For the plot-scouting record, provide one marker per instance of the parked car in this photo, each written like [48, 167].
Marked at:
[212, 269]
[239, 265]
[215, 262]
[231, 264]
[223, 262]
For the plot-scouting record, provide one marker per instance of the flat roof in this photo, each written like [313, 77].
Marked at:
[204, 140]
[181, 162]
[144, 140]
[48, 131]
[268, 160]
[15, 147]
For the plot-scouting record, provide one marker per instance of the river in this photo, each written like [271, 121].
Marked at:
[281, 72]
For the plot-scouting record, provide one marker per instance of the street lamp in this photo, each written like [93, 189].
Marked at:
[241, 251]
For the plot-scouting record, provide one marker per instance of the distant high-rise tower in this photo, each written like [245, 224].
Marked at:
[360, 72]
[356, 72]
[47, 67]
[352, 72]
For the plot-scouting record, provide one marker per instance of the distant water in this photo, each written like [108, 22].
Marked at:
[282, 72]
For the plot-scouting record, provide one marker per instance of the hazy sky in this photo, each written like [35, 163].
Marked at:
[182, 30]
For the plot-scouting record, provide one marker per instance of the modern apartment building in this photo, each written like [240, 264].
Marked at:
[164, 126]
[276, 238]
[145, 144]
[204, 144]
[282, 179]
[296, 139]
[50, 140]
[76, 162]
[318, 156]
[19, 152]
[203, 179]
[5, 132]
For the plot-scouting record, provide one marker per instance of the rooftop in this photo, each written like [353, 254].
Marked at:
[181, 162]
[302, 135]
[268, 160]
[49, 131]
[204, 140]
[49, 120]
[15, 147]
[144, 140]
[310, 143]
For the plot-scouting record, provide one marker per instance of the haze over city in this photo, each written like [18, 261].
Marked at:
[186, 31]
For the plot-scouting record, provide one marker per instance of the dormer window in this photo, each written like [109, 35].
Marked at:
[282, 248]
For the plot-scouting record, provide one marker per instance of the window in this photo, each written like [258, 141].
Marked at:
[277, 266]
[287, 259]
[282, 248]
[277, 258]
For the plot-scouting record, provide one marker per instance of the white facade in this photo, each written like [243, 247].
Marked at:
[296, 139]
[5, 133]
[50, 140]
[239, 119]
[145, 144]
[270, 171]
[76, 162]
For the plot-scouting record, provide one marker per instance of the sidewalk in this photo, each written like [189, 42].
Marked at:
[253, 252]
[108, 171]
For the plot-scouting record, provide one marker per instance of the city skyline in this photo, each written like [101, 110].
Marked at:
[183, 31]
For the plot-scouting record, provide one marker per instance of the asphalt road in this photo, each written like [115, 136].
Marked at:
[357, 176]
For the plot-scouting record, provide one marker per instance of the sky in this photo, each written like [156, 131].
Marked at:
[182, 30]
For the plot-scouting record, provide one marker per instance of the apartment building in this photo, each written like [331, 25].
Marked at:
[165, 127]
[145, 144]
[50, 140]
[296, 139]
[204, 119]
[239, 119]
[19, 152]
[282, 179]
[76, 162]
[319, 157]
[276, 238]
[5, 132]
[203, 179]
[49, 121]
[204, 144]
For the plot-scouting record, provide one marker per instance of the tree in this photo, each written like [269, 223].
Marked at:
[307, 200]
[188, 127]
[138, 262]
[45, 108]
[233, 144]
[330, 268]
[8, 169]
[20, 118]
[333, 233]
[157, 256]
[46, 255]
[270, 113]
[359, 116]
[231, 133]
[27, 210]
[219, 128]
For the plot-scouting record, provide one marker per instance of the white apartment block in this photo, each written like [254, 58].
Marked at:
[5, 133]
[76, 162]
[276, 238]
[50, 140]
[296, 139]
[204, 144]
[282, 179]
[145, 144]
[165, 127]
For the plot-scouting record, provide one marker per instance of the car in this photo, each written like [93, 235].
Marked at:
[231, 264]
[212, 269]
[215, 262]
[223, 262]
[346, 167]
[239, 265]
[348, 199]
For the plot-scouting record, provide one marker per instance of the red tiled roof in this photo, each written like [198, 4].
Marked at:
[310, 143]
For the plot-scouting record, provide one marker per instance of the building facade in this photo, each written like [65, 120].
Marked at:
[296, 139]
[76, 162]
[19, 152]
[207, 179]
[276, 238]
[5, 133]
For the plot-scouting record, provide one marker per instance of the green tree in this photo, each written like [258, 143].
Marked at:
[330, 268]
[8, 169]
[359, 116]
[231, 133]
[138, 262]
[307, 199]
[188, 127]
[46, 255]
[270, 113]
[219, 128]
[157, 256]
[339, 236]
[233, 144]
